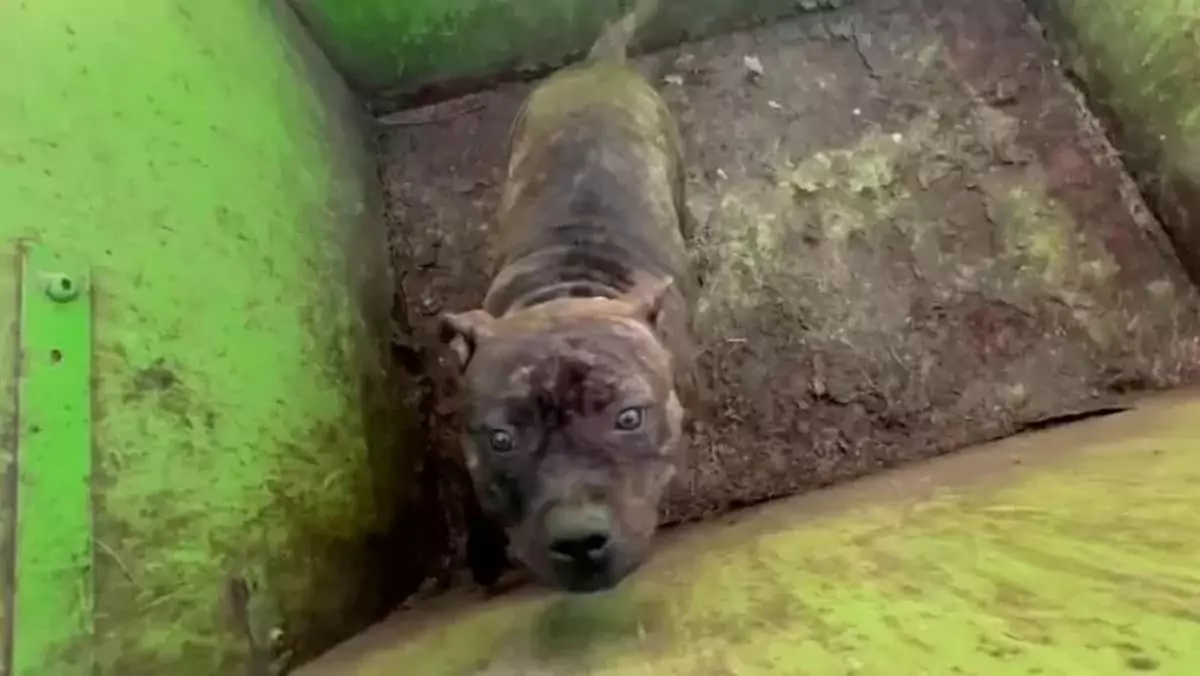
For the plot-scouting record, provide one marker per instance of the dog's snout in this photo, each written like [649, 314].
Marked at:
[579, 534]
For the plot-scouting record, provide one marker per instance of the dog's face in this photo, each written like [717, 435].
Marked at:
[572, 423]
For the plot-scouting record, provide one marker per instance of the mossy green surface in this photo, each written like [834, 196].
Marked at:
[1066, 552]
[1140, 66]
[1149, 53]
[193, 162]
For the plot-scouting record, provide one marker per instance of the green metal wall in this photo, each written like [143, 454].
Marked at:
[1140, 65]
[398, 46]
[205, 503]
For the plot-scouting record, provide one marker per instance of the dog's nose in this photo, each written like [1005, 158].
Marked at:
[579, 534]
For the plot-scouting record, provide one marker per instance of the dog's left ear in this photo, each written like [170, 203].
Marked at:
[647, 299]
[464, 332]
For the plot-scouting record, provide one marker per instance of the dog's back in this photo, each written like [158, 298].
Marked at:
[593, 201]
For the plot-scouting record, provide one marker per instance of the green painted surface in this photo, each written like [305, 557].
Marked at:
[190, 156]
[53, 595]
[397, 46]
[1141, 64]
[10, 276]
[1068, 552]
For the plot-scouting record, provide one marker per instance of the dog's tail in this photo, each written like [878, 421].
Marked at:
[613, 44]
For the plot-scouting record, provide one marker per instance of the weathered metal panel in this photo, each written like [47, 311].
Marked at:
[10, 285]
[53, 545]
[1140, 66]
[201, 161]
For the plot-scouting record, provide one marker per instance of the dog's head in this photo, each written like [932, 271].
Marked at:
[572, 421]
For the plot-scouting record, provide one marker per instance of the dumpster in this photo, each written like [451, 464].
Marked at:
[227, 422]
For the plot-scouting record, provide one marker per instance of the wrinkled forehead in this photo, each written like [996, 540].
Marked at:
[583, 368]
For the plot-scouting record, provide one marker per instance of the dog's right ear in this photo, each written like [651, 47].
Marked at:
[646, 300]
[464, 332]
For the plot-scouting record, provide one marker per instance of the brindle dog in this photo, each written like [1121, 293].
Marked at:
[573, 369]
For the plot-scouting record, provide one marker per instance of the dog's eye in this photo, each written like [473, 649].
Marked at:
[629, 419]
[501, 441]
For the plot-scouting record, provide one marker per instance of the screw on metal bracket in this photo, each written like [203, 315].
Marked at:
[59, 287]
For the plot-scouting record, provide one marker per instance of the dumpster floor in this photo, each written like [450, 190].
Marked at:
[913, 235]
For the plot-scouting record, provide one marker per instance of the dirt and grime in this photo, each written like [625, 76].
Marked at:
[913, 238]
